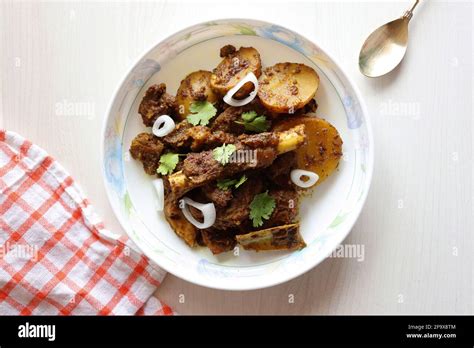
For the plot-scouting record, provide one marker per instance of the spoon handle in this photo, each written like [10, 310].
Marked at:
[408, 14]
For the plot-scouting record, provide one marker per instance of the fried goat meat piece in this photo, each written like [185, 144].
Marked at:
[228, 120]
[186, 137]
[155, 103]
[236, 214]
[286, 237]
[219, 197]
[286, 207]
[202, 167]
[218, 241]
[147, 149]
[279, 172]
[252, 152]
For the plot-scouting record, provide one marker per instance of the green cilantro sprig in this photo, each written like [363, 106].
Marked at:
[225, 184]
[168, 163]
[262, 207]
[201, 113]
[254, 123]
[222, 153]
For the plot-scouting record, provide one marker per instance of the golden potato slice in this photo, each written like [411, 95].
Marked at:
[195, 87]
[286, 87]
[233, 68]
[323, 148]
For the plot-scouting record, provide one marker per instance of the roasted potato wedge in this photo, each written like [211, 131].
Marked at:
[195, 87]
[286, 87]
[233, 68]
[285, 237]
[182, 227]
[323, 148]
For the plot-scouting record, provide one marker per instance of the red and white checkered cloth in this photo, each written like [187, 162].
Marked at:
[56, 257]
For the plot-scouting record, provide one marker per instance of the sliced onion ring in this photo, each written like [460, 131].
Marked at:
[229, 97]
[160, 192]
[163, 125]
[297, 174]
[208, 211]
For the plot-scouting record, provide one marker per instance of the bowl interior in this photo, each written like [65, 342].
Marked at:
[326, 215]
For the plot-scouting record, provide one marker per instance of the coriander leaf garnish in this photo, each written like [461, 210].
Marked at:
[254, 123]
[222, 153]
[261, 208]
[168, 163]
[242, 179]
[201, 113]
[258, 125]
[227, 183]
[249, 116]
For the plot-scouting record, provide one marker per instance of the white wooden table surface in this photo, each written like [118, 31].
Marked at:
[417, 225]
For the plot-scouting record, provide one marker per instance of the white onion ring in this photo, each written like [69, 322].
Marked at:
[229, 97]
[160, 192]
[163, 125]
[208, 211]
[297, 174]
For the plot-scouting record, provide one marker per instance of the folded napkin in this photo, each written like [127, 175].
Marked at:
[56, 257]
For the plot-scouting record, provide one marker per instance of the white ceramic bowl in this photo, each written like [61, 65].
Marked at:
[326, 217]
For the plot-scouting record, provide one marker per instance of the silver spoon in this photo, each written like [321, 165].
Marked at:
[385, 48]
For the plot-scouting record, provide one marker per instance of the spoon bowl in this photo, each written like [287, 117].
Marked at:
[385, 48]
